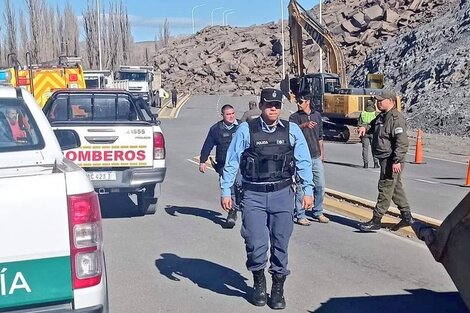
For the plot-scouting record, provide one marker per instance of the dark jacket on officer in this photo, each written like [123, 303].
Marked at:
[220, 137]
[389, 136]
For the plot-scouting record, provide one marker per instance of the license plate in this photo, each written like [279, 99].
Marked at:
[102, 176]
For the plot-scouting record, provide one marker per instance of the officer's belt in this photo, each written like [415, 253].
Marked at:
[267, 187]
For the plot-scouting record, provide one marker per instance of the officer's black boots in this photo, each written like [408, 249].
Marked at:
[406, 220]
[366, 165]
[277, 301]
[259, 288]
[373, 224]
[231, 218]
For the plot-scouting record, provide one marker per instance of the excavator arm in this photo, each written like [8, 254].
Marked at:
[300, 19]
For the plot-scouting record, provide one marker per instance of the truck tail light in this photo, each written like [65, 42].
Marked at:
[86, 239]
[73, 77]
[158, 146]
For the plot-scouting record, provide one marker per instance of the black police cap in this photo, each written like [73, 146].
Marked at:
[270, 95]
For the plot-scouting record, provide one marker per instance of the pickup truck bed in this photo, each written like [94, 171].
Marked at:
[121, 150]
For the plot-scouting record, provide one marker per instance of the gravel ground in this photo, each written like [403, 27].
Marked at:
[453, 148]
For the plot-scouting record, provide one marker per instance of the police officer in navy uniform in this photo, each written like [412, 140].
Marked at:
[268, 151]
[220, 136]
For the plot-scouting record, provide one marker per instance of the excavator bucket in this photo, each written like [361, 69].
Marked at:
[449, 244]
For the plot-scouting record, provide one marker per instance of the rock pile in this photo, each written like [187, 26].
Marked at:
[420, 45]
[362, 25]
[430, 67]
[224, 60]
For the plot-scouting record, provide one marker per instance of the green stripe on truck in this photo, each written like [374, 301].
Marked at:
[25, 283]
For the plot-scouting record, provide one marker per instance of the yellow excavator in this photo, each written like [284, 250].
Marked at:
[340, 106]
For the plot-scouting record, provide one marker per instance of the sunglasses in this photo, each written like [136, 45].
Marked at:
[276, 105]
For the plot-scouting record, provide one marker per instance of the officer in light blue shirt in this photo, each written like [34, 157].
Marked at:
[268, 151]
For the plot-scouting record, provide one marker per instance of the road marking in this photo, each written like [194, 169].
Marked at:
[439, 159]
[217, 107]
[181, 106]
[197, 163]
[427, 181]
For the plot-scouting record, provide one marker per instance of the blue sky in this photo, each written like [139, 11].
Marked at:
[146, 16]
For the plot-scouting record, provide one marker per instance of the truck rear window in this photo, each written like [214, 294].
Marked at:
[18, 131]
[85, 107]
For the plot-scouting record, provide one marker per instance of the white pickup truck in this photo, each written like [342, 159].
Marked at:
[51, 243]
[121, 148]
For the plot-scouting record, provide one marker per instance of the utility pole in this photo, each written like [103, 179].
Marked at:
[223, 15]
[99, 33]
[282, 40]
[192, 14]
[226, 17]
[212, 14]
[321, 51]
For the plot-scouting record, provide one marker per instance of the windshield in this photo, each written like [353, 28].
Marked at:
[88, 107]
[18, 131]
[94, 82]
[331, 84]
[133, 76]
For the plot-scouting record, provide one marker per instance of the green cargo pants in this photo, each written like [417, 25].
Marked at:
[390, 189]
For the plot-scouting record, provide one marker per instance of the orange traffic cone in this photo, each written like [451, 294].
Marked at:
[419, 148]
[468, 175]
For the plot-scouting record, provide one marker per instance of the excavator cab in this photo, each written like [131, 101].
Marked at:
[374, 81]
[317, 84]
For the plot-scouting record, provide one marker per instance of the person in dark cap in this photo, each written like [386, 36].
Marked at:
[253, 112]
[364, 121]
[268, 151]
[389, 145]
[311, 124]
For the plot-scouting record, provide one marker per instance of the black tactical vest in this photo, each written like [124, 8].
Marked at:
[224, 137]
[270, 157]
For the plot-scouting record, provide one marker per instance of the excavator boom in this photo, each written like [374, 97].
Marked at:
[300, 19]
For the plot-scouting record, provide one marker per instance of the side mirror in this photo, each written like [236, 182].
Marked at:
[67, 138]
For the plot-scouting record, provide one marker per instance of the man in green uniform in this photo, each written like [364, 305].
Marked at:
[389, 145]
[364, 121]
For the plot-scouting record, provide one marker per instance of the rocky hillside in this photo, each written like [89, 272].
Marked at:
[430, 66]
[418, 44]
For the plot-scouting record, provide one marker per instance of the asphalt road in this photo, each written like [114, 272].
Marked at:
[182, 259]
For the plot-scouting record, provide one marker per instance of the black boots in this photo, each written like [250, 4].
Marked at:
[373, 224]
[259, 288]
[366, 165]
[406, 220]
[231, 218]
[277, 301]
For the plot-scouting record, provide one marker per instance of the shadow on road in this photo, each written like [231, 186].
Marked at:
[117, 206]
[205, 274]
[418, 301]
[344, 164]
[213, 216]
[353, 223]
